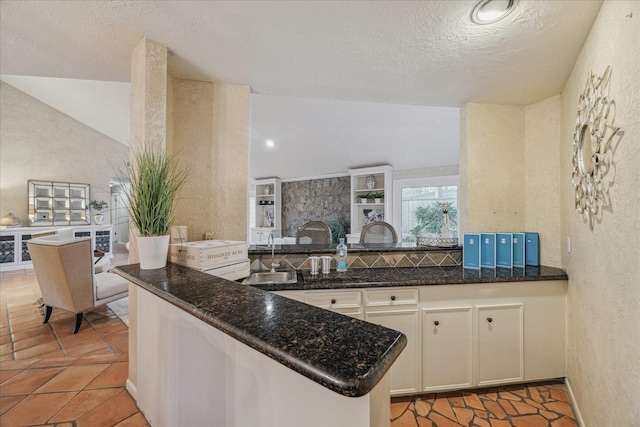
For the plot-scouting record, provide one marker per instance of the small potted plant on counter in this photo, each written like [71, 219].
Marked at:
[378, 197]
[97, 207]
[155, 178]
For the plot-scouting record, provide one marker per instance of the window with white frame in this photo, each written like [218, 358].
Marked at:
[418, 204]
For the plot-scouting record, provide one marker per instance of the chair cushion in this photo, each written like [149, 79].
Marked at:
[109, 284]
[102, 266]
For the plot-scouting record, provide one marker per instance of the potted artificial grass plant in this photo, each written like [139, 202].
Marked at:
[154, 181]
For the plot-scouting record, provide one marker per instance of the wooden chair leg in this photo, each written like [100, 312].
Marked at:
[78, 322]
[47, 313]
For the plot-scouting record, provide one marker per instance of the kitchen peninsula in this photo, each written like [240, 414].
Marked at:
[274, 347]
[244, 356]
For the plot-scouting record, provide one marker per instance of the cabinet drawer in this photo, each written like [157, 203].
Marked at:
[390, 297]
[334, 300]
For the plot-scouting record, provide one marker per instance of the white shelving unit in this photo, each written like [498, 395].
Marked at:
[268, 205]
[370, 181]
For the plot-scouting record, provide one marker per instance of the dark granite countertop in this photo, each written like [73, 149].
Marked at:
[346, 355]
[353, 247]
[415, 276]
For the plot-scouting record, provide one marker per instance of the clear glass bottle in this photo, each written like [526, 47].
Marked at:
[341, 256]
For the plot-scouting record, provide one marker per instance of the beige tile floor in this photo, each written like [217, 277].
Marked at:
[50, 377]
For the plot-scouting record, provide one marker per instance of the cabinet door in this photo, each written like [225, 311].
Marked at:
[8, 249]
[403, 374]
[348, 303]
[103, 240]
[447, 348]
[500, 349]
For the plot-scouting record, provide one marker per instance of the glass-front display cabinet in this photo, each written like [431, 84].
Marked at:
[58, 203]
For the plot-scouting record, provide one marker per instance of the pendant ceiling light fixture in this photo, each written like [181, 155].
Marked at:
[490, 11]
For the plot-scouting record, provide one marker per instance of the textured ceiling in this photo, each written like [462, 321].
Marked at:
[398, 52]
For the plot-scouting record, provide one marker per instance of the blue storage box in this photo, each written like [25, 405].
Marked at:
[488, 250]
[531, 249]
[518, 249]
[471, 250]
[504, 250]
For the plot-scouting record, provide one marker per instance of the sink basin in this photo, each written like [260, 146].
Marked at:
[263, 277]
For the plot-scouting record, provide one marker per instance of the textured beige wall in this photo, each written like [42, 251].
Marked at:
[148, 107]
[492, 182]
[604, 264]
[39, 142]
[211, 133]
[542, 176]
[192, 140]
[232, 112]
[510, 171]
[148, 128]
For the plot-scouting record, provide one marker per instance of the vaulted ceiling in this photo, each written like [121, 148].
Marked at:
[398, 52]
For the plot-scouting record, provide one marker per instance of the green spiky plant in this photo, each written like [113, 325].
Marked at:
[154, 181]
[338, 229]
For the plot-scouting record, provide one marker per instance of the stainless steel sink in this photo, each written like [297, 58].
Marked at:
[265, 277]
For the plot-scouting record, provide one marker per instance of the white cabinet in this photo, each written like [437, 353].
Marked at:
[500, 351]
[447, 348]
[463, 336]
[499, 333]
[9, 249]
[14, 254]
[370, 182]
[267, 209]
[397, 308]
[348, 303]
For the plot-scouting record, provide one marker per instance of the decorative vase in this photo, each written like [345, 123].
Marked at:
[98, 218]
[371, 182]
[267, 190]
[10, 219]
[153, 251]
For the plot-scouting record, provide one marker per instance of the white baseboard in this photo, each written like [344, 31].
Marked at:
[574, 404]
[133, 390]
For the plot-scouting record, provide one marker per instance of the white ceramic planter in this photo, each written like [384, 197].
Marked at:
[153, 251]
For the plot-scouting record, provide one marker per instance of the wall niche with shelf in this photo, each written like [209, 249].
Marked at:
[370, 196]
[58, 203]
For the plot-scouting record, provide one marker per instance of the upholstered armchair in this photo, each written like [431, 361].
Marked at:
[313, 232]
[378, 232]
[67, 276]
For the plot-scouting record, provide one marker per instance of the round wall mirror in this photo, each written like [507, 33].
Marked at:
[585, 153]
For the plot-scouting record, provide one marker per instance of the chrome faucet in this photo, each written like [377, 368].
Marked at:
[273, 248]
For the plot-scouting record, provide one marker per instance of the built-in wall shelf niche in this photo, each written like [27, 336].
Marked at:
[58, 203]
[370, 196]
[268, 216]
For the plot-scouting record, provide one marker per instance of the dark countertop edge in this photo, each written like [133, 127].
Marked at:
[453, 275]
[354, 387]
[353, 248]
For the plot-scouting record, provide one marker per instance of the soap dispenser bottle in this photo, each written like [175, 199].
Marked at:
[341, 256]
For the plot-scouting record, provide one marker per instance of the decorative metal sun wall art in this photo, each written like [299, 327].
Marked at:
[592, 153]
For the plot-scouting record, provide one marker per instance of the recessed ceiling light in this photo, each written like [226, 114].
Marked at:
[489, 11]
[269, 143]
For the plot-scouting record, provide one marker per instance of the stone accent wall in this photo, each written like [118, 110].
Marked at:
[315, 200]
